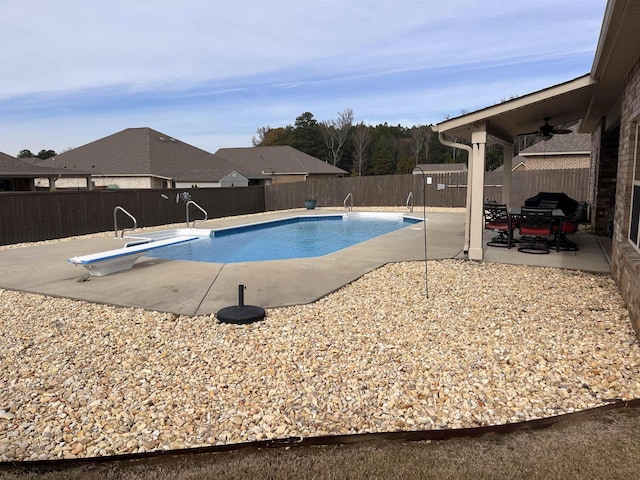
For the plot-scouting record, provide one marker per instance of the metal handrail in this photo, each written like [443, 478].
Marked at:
[115, 221]
[191, 202]
[345, 202]
[410, 199]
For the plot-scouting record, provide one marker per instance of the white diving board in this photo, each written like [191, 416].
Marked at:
[112, 261]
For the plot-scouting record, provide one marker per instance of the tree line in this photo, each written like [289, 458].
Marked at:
[361, 149]
[42, 154]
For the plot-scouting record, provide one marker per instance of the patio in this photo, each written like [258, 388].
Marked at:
[197, 288]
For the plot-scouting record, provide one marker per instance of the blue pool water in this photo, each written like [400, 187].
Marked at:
[296, 237]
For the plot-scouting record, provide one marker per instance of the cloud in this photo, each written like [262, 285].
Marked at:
[95, 68]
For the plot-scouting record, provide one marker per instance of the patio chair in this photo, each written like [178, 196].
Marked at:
[536, 226]
[569, 225]
[498, 220]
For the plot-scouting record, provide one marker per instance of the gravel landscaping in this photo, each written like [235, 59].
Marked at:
[492, 344]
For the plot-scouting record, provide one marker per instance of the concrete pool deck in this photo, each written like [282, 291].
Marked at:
[198, 288]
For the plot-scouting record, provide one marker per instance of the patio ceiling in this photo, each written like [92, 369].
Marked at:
[563, 103]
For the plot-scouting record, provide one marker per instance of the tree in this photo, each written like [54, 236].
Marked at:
[361, 141]
[387, 149]
[262, 134]
[335, 132]
[43, 154]
[438, 153]
[402, 155]
[25, 154]
[382, 156]
[268, 136]
[419, 139]
[305, 136]
[494, 157]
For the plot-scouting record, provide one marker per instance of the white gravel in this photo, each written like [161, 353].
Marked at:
[492, 344]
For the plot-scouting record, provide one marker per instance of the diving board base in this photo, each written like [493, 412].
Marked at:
[112, 265]
[120, 259]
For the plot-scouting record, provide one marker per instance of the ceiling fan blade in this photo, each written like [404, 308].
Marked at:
[560, 131]
[531, 133]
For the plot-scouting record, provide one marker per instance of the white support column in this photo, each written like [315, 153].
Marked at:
[507, 151]
[476, 165]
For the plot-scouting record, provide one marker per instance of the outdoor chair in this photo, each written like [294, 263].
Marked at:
[498, 220]
[536, 226]
[569, 225]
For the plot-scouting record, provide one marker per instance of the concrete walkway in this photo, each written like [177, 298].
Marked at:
[198, 288]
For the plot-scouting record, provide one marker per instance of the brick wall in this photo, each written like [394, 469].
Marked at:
[558, 162]
[596, 140]
[606, 181]
[625, 259]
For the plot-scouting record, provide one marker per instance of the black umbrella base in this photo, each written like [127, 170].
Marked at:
[241, 315]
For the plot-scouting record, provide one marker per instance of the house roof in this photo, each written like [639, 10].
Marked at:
[16, 167]
[616, 53]
[563, 103]
[278, 160]
[440, 167]
[144, 151]
[574, 142]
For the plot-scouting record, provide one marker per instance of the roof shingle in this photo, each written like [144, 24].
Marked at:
[280, 159]
[14, 167]
[144, 151]
[570, 142]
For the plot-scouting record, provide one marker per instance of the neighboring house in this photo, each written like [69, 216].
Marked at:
[18, 175]
[433, 168]
[571, 150]
[145, 158]
[283, 163]
[607, 101]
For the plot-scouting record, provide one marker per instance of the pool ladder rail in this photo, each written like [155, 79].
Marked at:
[409, 203]
[115, 221]
[206, 217]
[350, 207]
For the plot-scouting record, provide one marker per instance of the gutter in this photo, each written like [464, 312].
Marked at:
[462, 146]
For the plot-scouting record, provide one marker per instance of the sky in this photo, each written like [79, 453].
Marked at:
[211, 72]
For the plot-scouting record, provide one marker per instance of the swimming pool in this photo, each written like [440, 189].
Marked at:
[295, 237]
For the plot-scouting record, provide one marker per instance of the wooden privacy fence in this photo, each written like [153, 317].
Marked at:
[573, 182]
[33, 216]
[445, 189]
[387, 190]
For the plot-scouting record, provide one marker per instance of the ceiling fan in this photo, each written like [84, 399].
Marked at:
[546, 131]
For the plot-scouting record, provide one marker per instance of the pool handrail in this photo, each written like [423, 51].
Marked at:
[350, 208]
[410, 199]
[206, 216]
[115, 221]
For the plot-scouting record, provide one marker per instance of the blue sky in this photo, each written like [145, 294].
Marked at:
[210, 72]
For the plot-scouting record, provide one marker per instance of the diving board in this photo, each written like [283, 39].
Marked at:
[112, 261]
